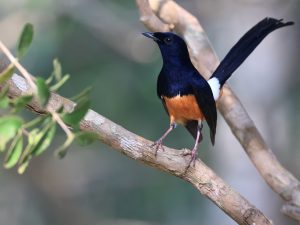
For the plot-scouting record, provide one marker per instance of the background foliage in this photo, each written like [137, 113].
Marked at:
[99, 44]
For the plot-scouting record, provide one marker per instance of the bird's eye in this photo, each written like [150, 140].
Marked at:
[168, 40]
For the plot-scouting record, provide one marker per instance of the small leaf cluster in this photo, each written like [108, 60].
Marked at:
[22, 140]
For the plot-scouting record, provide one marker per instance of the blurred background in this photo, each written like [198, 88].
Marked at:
[100, 44]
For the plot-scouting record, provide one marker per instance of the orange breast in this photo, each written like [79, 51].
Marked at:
[183, 108]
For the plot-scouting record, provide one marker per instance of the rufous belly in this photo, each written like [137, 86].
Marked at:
[183, 108]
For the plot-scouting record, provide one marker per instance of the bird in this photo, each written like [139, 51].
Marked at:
[188, 98]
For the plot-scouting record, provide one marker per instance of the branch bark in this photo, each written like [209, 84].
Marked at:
[205, 59]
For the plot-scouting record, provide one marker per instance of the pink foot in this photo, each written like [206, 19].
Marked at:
[193, 153]
[158, 145]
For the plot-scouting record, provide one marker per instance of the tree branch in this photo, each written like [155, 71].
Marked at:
[205, 59]
[138, 148]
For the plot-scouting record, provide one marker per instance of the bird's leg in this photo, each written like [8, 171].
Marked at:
[158, 143]
[194, 151]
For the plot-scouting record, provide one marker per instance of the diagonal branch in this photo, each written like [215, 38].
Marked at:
[206, 61]
[138, 148]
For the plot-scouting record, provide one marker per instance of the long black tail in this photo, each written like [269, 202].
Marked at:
[243, 48]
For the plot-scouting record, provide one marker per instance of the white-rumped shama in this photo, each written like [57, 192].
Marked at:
[188, 98]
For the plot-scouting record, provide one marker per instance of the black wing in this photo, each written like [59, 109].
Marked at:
[207, 104]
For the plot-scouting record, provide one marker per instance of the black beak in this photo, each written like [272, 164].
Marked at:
[150, 35]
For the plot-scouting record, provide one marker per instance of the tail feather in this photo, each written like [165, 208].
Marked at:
[243, 48]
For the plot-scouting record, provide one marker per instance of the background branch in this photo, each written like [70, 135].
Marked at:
[205, 59]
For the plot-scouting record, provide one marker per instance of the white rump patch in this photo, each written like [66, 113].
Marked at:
[215, 87]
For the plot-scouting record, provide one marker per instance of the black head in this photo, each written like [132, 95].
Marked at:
[171, 45]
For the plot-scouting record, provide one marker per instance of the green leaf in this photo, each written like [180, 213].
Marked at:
[73, 118]
[62, 150]
[35, 121]
[7, 73]
[39, 140]
[49, 79]
[45, 138]
[21, 102]
[85, 138]
[60, 83]
[82, 95]
[23, 166]
[43, 91]
[4, 102]
[25, 40]
[60, 109]
[57, 70]
[14, 152]
[32, 136]
[4, 91]
[9, 125]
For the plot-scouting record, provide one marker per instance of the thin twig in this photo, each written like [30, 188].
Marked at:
[30, 81]
[60, 122]
[16, 63]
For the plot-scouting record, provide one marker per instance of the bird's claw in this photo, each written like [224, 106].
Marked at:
[193, 153]
[158, 145]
